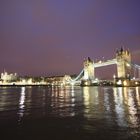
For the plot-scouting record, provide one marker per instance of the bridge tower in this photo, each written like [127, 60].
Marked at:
[88, 69]
[123, 58]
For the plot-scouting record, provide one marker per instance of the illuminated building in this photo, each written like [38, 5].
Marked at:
[5, 77]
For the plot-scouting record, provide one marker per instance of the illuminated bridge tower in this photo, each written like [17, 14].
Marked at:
[123, 58]
[88, 69]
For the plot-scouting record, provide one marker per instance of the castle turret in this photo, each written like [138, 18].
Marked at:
[88, 69]
[123, 63]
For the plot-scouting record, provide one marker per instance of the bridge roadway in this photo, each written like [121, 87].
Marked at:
[106, 63]
[95, 65]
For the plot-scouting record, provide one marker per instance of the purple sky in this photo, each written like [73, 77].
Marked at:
[52, 37]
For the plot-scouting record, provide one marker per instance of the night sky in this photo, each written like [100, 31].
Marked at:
[52, 37]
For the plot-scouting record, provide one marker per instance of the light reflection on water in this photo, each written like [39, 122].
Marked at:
[119, 106]
[138, 96]
[21, 102]
[100, 107]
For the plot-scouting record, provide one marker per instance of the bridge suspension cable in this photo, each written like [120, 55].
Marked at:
[136, 69]
[79, 76]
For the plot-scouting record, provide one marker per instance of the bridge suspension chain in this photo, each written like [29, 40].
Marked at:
[79, 76]
[136, 67]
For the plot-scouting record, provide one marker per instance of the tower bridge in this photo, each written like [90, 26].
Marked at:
[124, 69]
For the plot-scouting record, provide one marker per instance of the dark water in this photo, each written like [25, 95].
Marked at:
[70, 113]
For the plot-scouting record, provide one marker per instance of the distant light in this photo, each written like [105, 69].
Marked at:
[86, 83]
[114, 76]
[119, 82]
[128, 65]
[134, 78]
[125, 83]
[96, 79]
[136, 83]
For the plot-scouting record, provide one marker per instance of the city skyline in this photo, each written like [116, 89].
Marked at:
[53, 37]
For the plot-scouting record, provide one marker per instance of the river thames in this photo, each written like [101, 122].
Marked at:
[70, 113]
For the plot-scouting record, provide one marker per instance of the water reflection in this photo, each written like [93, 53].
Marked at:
[21, 103]
[8, 98]
[86, 95]
[112, 109]
[72, 98]
[133, 117]
[114, 105]
[119, 105]
[3, 99]
[63, 101]
[91, 102]
[138, 95]
[106, 101]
